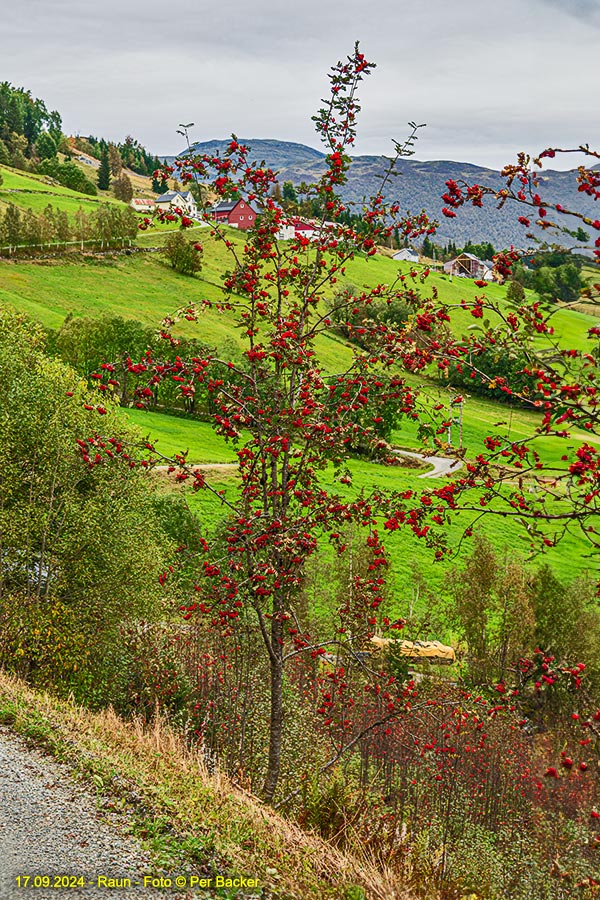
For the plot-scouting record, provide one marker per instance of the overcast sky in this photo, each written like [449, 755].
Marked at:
[489, 77]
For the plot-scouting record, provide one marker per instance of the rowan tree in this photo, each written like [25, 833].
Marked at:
[295, 424]
[303, 421]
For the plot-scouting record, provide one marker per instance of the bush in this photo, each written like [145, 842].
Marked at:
[69, 175]
[81, 544]
[185, 256]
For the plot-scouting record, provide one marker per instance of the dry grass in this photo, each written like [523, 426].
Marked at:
[153, 763]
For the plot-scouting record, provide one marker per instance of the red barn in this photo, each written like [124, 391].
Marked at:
[237, 213]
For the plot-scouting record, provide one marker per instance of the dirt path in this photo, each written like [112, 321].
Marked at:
[53, 830]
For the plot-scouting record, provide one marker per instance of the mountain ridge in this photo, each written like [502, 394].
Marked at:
[418, 185]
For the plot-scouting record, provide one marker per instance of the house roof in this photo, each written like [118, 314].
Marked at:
[470, 256]
[170, 195]
[229, 205]
[225, 206]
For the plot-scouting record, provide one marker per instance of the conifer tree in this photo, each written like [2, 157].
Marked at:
[104, 171]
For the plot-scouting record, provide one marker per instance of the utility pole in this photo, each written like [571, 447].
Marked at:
[456, 402]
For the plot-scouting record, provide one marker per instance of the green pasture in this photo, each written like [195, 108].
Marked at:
[172, 434]
[142, 287]
[145, 288]
[569, 559]
[37, 203]
[408, 554]
[28, 191]
[481, 418]
[14, 180]
[570, 326]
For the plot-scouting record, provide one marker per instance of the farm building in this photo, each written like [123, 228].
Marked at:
[407, 254]
[182, 200]
[417, 651]
[237, 213]
[306, 228]
[143, 204]
[468, 266]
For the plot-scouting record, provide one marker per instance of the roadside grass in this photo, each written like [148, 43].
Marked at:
[191, 820]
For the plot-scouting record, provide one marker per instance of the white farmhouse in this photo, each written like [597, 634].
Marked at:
[182, 200]
[407, 254]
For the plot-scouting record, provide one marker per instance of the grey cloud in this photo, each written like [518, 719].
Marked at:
[484, 79]
[589, 10]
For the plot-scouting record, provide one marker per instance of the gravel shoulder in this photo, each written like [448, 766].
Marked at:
[50, 825]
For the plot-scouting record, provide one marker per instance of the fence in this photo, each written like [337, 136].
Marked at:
[100, 244]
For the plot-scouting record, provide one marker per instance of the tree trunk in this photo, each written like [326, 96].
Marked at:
[276, 719]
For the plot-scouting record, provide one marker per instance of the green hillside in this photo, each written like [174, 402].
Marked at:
[144, 288]
[173, 435]
[35, 192]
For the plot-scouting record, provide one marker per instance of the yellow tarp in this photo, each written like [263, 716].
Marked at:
[428, 650]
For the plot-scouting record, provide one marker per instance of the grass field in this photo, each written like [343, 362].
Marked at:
[406, 552]
[15, 180]
[172, 434]
[145, 288]
[28, 191]
[141, 287]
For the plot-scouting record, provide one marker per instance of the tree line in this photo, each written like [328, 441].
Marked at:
[107, 225]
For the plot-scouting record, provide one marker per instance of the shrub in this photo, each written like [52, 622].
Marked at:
[185, 256]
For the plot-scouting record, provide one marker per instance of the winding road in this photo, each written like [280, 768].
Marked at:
[442, 465]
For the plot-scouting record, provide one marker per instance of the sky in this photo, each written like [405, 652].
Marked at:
[488, 77]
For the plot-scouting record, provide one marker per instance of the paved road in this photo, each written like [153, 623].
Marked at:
[442, 465]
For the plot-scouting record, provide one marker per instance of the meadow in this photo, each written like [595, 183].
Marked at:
[143, 287]
[408, 555]
[28, 191]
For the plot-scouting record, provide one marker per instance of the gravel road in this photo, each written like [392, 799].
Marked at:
[51, 826]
